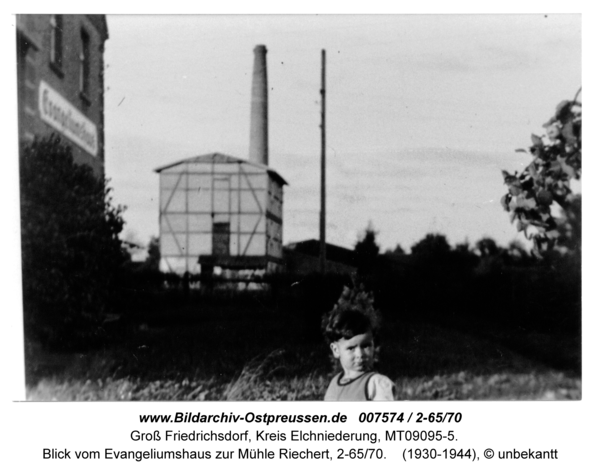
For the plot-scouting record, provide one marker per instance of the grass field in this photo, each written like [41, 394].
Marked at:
[250, 354]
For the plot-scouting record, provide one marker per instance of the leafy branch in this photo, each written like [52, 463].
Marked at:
[547, 179]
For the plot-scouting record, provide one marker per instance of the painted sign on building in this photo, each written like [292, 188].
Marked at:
[67, 119]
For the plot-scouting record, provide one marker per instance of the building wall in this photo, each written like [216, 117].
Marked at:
[274, 215]
[302, 264]
[50, 95]
[304, 257]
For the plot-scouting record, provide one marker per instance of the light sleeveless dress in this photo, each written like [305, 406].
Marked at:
[369, 386]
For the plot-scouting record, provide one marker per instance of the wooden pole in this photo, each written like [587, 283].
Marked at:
[323, 254]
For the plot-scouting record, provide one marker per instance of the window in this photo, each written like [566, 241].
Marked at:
[30, 85]
[84, 66]
[220, 238]
[56, 43]
[27, 73]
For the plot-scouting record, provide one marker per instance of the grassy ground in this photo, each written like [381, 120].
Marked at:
[252, 354]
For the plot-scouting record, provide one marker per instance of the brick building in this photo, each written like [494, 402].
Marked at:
[60, 76]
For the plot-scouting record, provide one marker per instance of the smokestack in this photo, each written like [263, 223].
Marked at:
[259, 124]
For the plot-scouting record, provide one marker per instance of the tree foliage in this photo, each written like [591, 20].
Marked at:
[152, 262]
[487, 247]
[366, 250]
[432, 246]
[547, 180]
[71, 250]
[398, 250]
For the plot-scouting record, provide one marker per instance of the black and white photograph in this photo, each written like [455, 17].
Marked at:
[300, 207]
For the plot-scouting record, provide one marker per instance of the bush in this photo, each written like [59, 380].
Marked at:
[71, 251]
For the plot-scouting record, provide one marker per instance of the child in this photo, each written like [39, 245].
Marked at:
[352, 335]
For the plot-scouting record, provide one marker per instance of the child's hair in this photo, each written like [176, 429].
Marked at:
[353, 314]
[347, 323]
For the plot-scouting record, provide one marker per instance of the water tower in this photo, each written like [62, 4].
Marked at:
[221, 211]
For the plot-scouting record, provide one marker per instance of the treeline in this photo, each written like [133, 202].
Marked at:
[483, 284]
[479, 284]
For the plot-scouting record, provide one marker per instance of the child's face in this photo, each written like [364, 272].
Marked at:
[355, 354]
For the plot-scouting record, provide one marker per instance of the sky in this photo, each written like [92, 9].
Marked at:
[422, 113]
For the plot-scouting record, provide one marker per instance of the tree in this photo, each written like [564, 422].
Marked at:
[71, 250]
[547, 180]
[432, 246]
[366, 250]
[432, 267]
[464, 260]
[398, 250]
[487, 247]
[152, 262]
[516, 253]
[570, 226]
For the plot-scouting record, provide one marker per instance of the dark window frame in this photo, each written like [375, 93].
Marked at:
[85, 67]
[57, 44]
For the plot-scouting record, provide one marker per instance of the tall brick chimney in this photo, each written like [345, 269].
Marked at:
[259, 114]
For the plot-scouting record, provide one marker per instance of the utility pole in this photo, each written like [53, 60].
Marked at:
[323, 254]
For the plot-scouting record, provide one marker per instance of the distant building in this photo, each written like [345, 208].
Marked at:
[60, 76]
[220, 211]
[303, 258]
